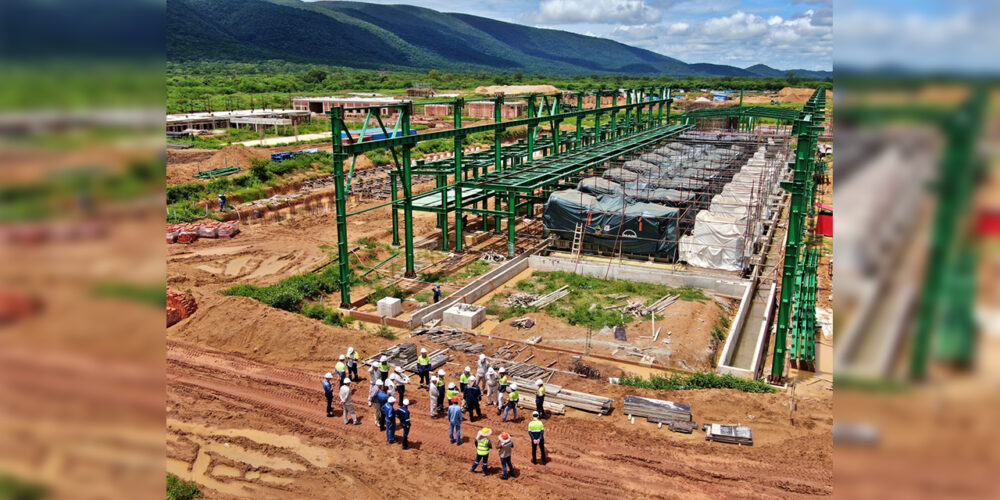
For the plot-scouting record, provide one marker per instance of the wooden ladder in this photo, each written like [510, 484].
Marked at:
[577, 240]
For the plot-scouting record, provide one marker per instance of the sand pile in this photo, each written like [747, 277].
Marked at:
[517, 89]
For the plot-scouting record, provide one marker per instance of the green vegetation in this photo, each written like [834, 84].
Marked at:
[183, 199]
[290, 293]
[155, 294]
[179, 489]
[382, 292]
[587, 298]
[14, 488]
[384, 332]
[681, 382]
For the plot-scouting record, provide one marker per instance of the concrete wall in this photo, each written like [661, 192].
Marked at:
[728, 286]
[732, 340]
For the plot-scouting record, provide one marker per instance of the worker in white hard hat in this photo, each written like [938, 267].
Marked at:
[352, 363]
[492, 385]
[540, 398]
[451, 392]
[380, 399]
[389, 422]
[341, 369]
[481, 368]
[463, 379]
[423, 367]
[536, 429]
[372, 375]
[472, 396]
[502, 380]
[403, 416]
[383, 367]
[433, 396]
[373, 389]
[399, 379]
[328, 391]
[441, 390]
[512, 400]
[345, 399]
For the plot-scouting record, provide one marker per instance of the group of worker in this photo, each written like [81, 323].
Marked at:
[386, 380]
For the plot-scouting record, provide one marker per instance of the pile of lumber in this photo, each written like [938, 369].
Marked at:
[662, 304]
[399, 354]
[656, 410]
[733, 434]
[520, 299]
[524, 322]
[550, 298]
[454, 339]
[571, 399]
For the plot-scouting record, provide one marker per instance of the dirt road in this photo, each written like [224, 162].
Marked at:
[244, 427]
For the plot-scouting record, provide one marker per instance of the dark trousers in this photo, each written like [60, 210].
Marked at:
[390, 433]
[329, 403]
[534, 447]
[506, 466]
[484, 459]
[401, 390]
[383, 375]
[440, 401]
[462, 387]
[540, 405]
[425, 376]
[474, 410]
[406, 436]
[341, 375]
[353, 370]
[380, 416]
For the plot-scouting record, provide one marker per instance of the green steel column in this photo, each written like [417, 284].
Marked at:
[579, 120]
[614, 115]
[628, 113]
[408, 198]
[497, 155]
[459, 105]
[336, 119]
[395, 211]
[669, 102]
[597, 116]
[511, 221]
[442, 217]
[532, 129]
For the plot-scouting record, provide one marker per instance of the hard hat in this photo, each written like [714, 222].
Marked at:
[389, 383]
[423, 351]
[350, 350]
[383, 359]
[454, 399]
[534, 414]
[513, 387]
[378, 382]
[347, 380]
[393, 400]
[472, 380]
[539, 382]
[399, 369]
[486, 430]
[406, 402]
[328, 375]
[451, 385]
[440, 373]
[502, 369]
[504, 435]
[482, 357]
[434, 378]
[468, 368]
[341, 357]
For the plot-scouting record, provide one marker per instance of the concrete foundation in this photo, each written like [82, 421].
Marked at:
[390, 307]
[465, 316]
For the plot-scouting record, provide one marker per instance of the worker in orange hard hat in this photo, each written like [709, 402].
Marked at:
[505, 446]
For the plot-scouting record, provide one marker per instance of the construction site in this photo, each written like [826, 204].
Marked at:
[591, 243]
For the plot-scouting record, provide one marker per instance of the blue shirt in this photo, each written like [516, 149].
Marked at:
[327, 388]
[455, 414]
[403, 414]
[390, 415]
[536, 435]
[381, 397]
[473, 393]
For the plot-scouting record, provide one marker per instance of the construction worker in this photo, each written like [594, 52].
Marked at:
[328, 391]
[455, 421]
[451, 392]
[503, 388]
[383, 368]
[483, 446]
[403, 415]
[463, 379]
[481, 367]
[492, 385]
[423, 367]
[390, 388]
[505, 447]
[437, 293]
[389, 422]
[222, 202]
[399, 379]
[373, 382]
[536, 429]
[512, 400]
[441, 391]
[472, 396]
[352, 363]
[432, 396]
[341, 369]
[345, 399]
[540, 397]
[380, 399]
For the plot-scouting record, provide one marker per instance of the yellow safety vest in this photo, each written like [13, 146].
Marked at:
[503, 380]
[483, 446]
[340, 366]
[423, 360]
[514, 396]
[440, 382]
[384, 367]
[464, 378]
[541, 390]
[535, 426]
[450, 393]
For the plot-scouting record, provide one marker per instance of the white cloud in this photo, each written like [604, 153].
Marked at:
[678, 28]
[625, 12]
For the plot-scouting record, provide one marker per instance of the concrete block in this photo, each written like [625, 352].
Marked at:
[465, 316]
[390, 306]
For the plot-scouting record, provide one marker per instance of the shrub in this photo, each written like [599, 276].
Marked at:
[384, 332]
[387, 291]
[258, 168]
[179, 489]
[701, 380]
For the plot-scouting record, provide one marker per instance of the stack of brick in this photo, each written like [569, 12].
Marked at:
[189, 233]
[180, 305]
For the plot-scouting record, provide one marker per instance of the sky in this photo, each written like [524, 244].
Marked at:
[795, 34]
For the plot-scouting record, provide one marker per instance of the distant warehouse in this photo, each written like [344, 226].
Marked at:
[239, 118]
[320, 105]
[484, 109]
